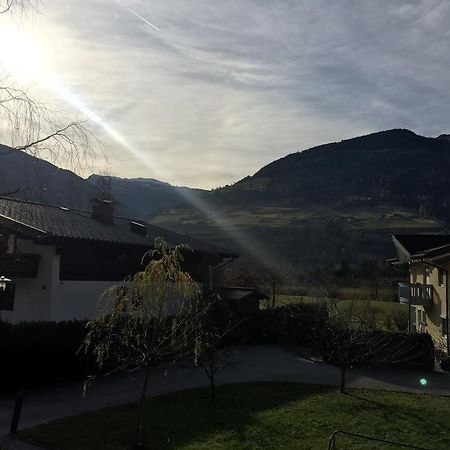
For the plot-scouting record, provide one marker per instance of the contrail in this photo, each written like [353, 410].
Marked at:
[136, 14]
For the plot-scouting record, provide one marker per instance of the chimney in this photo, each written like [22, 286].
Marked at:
[103, 211]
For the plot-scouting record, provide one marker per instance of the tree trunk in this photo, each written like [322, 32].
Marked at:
[212, 382]
[343, 376]
[213, 388]
[273, 294]
[141, 409]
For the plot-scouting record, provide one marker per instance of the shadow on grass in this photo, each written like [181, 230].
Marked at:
[176, 420]
[191, 416]
[256, 416]
[407, 410]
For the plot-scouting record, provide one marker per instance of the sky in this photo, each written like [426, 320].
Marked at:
[203, 93]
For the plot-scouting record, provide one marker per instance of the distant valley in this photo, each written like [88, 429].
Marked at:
[332, 203]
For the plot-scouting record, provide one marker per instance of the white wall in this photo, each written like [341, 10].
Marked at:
[46, 297]
[77, 299]
[33, 297]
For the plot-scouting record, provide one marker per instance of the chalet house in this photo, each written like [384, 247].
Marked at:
[56, 261]
[427, 260]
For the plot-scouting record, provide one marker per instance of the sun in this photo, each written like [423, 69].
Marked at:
[20, 54]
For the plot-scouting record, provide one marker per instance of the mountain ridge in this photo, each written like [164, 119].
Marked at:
[396, 166]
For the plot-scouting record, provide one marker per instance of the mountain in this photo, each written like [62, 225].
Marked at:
[29, 178]
[395, 166]
[147, 196]
[331, 203]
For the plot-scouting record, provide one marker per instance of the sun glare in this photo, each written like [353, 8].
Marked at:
[20, 55]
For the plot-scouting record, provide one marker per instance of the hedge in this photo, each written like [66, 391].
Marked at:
[309, 328]
[288, 325]
[35, 354]
[376, 349]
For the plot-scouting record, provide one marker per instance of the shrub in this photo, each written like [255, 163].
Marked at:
[289, 324]
[445, 363]
[309, 326]
[35, 354]
[372, 349]
[400, 319]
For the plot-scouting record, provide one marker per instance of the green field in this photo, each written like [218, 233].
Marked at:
[377, 217]
[259, 416]
[386, 294]
[300, 235]
[381, 311]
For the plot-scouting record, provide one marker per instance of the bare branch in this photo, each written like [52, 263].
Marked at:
[29, 125]
[21, 5]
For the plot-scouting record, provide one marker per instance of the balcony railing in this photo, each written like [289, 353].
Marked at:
[416, 294]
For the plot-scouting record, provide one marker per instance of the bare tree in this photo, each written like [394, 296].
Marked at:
[29, 125]
[8, 5]
[349, 338]
[210, 338]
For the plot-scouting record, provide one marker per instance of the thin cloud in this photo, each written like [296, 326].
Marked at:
[230, 86]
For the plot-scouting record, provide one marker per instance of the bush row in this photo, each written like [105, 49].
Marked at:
[374, 349]
[41, 353]
[309, 327]
[34, 354]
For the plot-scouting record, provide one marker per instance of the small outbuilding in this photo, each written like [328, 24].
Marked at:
[243, 301]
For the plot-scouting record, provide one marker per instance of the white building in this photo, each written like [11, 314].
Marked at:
[426, 257]
[61, 260]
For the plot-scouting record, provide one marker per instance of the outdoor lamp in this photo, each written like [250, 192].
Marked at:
[3, 283]
[7, 291]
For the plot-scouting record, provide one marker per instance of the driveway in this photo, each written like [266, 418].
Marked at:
[249, 363]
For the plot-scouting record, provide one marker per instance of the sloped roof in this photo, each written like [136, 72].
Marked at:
[58, 222]
[240, 293]
[418, 244]
[415, 247]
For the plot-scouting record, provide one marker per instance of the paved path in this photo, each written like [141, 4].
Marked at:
[14, 443]
[250, 363]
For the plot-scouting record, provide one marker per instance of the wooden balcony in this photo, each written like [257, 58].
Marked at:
[415, 294]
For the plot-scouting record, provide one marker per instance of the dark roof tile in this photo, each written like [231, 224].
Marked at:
[58, 222]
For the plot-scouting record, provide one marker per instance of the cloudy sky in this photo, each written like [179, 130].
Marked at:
[203, 93]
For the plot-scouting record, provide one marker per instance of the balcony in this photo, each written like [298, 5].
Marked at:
[416, 294]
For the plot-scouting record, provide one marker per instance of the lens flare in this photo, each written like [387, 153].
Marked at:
[423, 381]
[21, 56]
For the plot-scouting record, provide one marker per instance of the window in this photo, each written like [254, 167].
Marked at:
[441, 277]
[444, 326]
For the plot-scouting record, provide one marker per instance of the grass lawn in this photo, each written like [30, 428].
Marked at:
[259, 416]
[382, 309]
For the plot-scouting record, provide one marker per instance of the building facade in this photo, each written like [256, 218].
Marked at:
[426, 290]
[60, 261]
